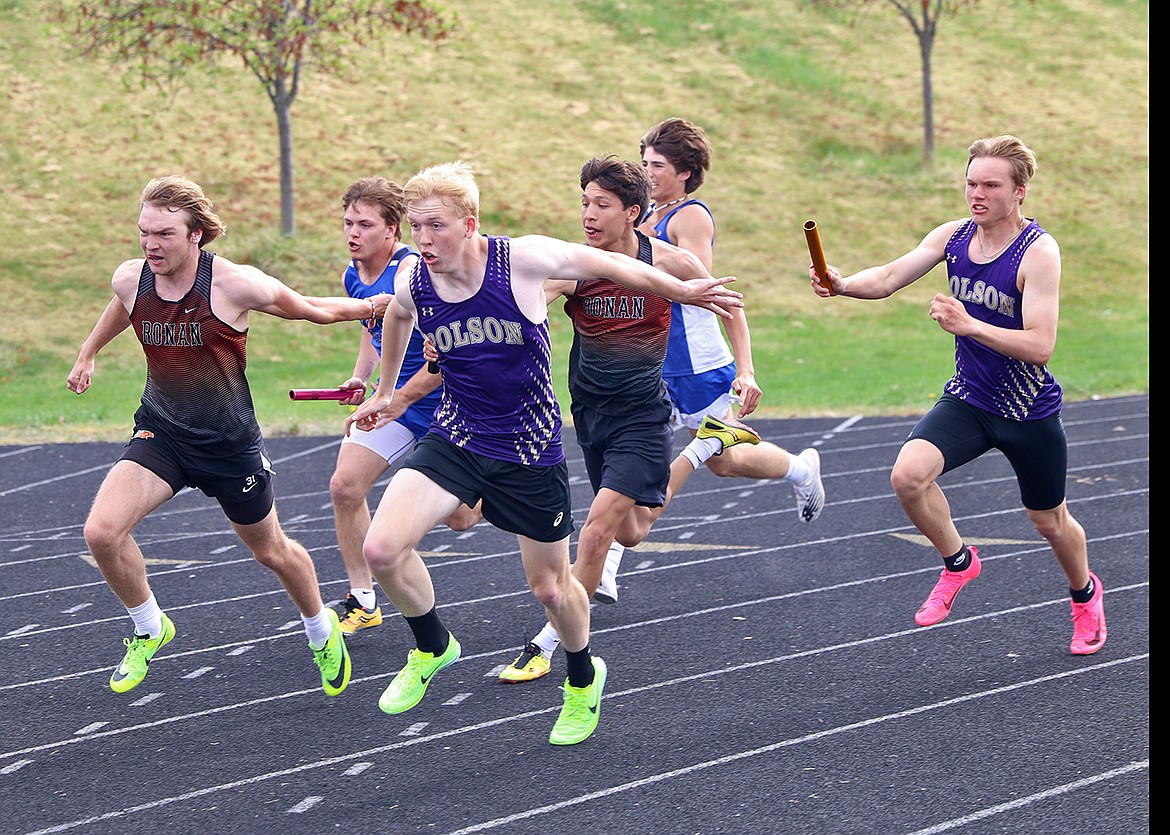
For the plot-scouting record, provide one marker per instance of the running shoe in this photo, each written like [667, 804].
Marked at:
[607, 589]
[582, 709]
[359, 617]
[938, 604]
[139, 650]
[810, 493]
[1088, 619]
[333, 659]
[729, 432]
[409, 686]
[529, 665]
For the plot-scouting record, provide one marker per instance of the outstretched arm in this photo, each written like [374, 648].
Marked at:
[240, 288]
[536, 258]
[882, 282]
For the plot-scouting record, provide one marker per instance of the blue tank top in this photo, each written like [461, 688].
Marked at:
[413, 361]
[983, 377]
[498, 399]
[619, 345]
[696, 337]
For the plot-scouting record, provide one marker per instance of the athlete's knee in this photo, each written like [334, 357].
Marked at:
[552, 591]
[908, 481]
[384, 552]
[346, 490]
[103, 536]
[279, 552]
[1057, 525]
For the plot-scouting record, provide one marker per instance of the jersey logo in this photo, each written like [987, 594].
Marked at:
[143, 434]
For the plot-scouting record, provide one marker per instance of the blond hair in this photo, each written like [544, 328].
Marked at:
[452, 182]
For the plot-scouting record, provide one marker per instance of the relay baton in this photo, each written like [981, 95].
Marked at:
[321, 394]
[813, 236]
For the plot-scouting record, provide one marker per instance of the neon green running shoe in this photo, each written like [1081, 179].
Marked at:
[333, 659]
[410, 685]
[582, 709]
[729, 432]
[139, 650]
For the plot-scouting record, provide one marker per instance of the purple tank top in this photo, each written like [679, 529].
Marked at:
[983, 377]
[498, 398]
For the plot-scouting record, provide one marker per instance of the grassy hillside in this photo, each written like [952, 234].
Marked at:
[812, 114]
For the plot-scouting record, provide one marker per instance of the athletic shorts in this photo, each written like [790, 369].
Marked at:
[518, 498]
[628, 454]
[390, 441]
[708, 393]
[241, 483]
[1036, 449]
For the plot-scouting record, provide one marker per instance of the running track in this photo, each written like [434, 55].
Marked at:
[766, 676]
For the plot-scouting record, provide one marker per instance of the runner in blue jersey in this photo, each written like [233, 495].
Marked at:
[373, 209]
[496, 436]
[1002, 306]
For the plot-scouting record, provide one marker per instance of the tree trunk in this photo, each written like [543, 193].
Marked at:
[282, 103]
[926, 44]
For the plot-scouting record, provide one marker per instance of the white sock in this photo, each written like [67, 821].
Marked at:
[798, 469]
[700, 449]
[147, 618]
[366, 597]
[318, 628]
[548, 640]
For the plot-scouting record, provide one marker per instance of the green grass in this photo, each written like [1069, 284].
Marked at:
[812, 115]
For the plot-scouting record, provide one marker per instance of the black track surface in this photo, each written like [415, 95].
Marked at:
[766, 676]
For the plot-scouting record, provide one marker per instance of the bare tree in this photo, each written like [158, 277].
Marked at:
[275, 39]
[923, 17]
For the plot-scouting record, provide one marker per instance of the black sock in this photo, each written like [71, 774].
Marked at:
[580, 667]
[960, 561]
[429, 632]
[1083, 595]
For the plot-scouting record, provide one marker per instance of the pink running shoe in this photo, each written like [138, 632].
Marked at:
[1089, 622]
[938, 605]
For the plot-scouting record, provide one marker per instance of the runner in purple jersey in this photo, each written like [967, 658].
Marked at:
[496, 437]
[1003, 273]
[372, 222]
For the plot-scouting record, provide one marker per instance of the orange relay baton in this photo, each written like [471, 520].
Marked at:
[813, 236]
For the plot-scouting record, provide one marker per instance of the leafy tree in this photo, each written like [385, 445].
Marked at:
[923, 17]
[275, 39]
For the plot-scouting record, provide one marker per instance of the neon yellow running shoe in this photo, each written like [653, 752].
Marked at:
[333, 659]
[529, 665]
[409, 686]
[729, 432]
[139, 650]
[578, 718]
